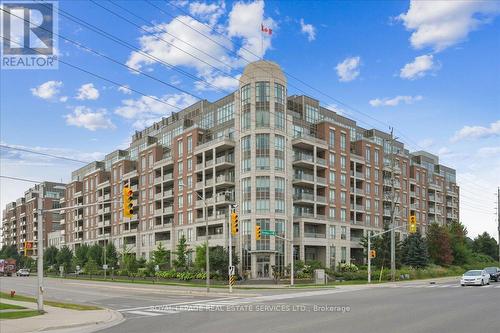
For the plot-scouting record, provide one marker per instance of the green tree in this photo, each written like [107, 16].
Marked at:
[111, 255]
[90, 267]
[9, 251]
[438, 244]
[130, 263]
[181, 260]
[161, 257]
[50, 256]
[485, 244]
[81, 255]
[64, 257]
[414, 251]
[200, 261]
[458, 243]
[95, 252]
[382, 245]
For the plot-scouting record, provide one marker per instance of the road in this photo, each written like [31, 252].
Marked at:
[403, 307]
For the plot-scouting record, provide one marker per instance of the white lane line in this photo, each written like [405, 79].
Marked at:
[144, 313]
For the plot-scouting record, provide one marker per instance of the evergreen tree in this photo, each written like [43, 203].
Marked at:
[382, 245]
[95, 252]
[81, 255]
[161, 257]
[414, 251]
[50, 256]
[438, 245]
[111, 255]
[485, 244]
[181, 260]
[64, 257]
[460, 250]
[90, 267]
[8, 252]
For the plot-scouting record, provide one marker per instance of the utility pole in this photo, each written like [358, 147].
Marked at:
[498, 221]
[40, 249]
[393, 200]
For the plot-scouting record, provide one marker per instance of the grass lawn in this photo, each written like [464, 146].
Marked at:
[50, 303]
[4, 306]
[18, 314]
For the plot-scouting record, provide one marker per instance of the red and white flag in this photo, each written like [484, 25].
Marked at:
[266, 30]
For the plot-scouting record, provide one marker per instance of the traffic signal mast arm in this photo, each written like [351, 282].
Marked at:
[81, 206]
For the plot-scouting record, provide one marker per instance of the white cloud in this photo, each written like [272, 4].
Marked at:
[84, 117]
[477, 132]
[208, 12]
[47, 90]
[145, 111]
[348, 69]
[308, 29]
[219, 81]
[63, 99]
[426, 143]
[485, 152]
[394, 101]
[87, 91]
[441, 24]
[245, 21]
[125, 89]
[418, 68]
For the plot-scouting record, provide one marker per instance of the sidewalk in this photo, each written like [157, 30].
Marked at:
[61, 320]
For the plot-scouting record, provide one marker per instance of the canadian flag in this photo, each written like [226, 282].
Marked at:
[266, 30]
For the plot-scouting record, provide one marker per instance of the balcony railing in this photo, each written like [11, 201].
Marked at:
[304, 196]
[314, 235]
[306, 177]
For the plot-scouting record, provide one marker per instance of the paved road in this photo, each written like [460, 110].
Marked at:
[404, 307]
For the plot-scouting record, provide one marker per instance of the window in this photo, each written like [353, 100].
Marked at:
[279, 93]
[343, 179]
[343, 215]
[225, 113]
[189, 144]
[262, 193]
[375, 156]
[343, 254]
[279, 117]
[279, 153]
[245, 118]
[332, 213]
[343, 197]
[332, 177]
[179, 148]
[367, 155]
[262, 117]
[180, 168]
[246, 164]
[189, 235]
[262, 91]
[180, 219]
[342, 162]
[189, 165]
[245, 95]
[312, 114]
[279, 195]
[342, 141]
[265, 241]
[246, 186]
[332, 196]
[331, 140]
[333, 254]
[262, 151]
[331, 232]
[343, 233]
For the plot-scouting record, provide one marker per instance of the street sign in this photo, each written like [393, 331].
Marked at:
[231, 270]
[268, 232]
[104, 266]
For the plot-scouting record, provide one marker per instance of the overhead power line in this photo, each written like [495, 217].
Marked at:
[40, 153]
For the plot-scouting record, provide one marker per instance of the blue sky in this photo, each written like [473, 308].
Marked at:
[430, 69]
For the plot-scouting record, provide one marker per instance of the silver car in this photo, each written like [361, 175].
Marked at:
[475, 277]
[23, 272]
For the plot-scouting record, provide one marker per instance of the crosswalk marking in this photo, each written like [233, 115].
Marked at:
[144, 313]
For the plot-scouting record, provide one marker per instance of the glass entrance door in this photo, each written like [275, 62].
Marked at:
[263, 266]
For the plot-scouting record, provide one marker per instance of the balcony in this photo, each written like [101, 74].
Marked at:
[223, 142]
[303, 197]
[169, 210]
[320, 161]
[357, 174]
[432, 210]
[307, 141]
[303, 160]
[358, 191]
[314, 235]
[224, 162]
[320, 200]
[224, 180]
[321, 181]
[210, 236]
[168, 177]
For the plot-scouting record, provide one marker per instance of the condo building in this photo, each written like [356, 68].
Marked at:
[20, 217]
[285, 163]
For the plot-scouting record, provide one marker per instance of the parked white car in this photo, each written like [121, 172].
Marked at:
[475, 277]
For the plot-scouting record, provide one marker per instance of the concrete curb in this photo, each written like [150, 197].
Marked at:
[115, 319]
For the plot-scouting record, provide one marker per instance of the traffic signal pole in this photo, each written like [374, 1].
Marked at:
[230, 210]
[39, 247]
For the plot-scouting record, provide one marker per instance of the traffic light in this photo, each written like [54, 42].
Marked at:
[413, 224]
[257, 232]
[373, 254]
[234, 223]
[28, 246]
[128, 206]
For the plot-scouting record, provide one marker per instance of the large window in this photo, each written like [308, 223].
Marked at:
[262, 116]
[262, 91]
[262, 194]
[245, 118]
[246, 153]
[225, 113]
[279, 195]
[279, 153]
[312, 114]
[246, 185]
[343, 140]
[262, 151]
[207, 120]
[279, 93]
[264, 243]
[279, 116]
[331, 139]
[245, 95]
